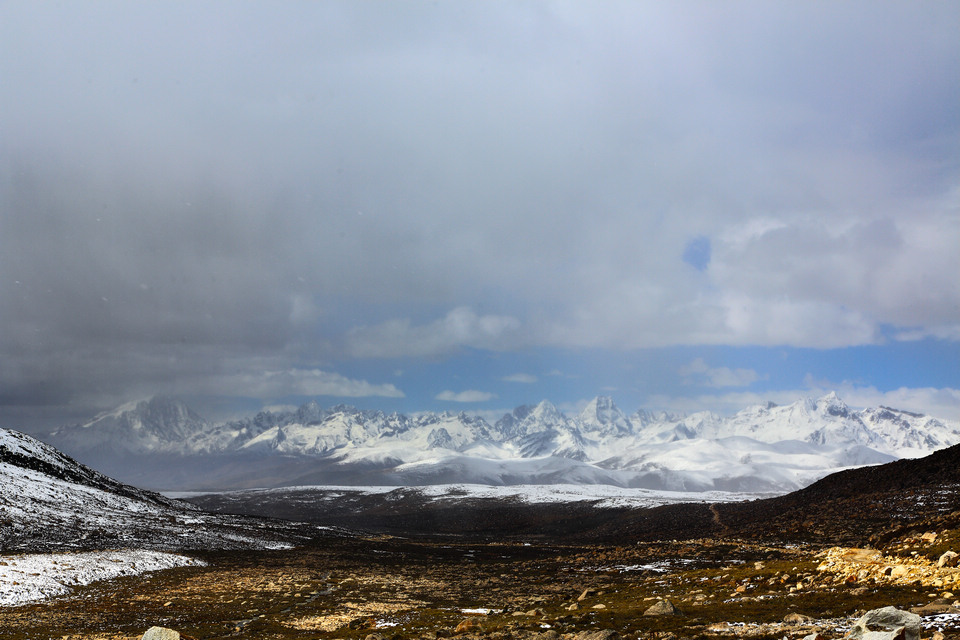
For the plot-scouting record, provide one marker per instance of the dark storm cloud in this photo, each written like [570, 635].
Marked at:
[194, 193]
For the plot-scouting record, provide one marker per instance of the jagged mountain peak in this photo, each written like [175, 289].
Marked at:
[159, 423]
[602, 414]
[807, 435]
[546, 409]
[831, 404]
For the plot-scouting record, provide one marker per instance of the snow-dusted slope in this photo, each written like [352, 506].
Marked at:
[765, 447]
[48, 501]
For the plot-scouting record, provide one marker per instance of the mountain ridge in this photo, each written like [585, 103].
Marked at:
[762, 447]
[51, 502]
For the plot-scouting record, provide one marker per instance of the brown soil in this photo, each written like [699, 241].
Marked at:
[341, 587]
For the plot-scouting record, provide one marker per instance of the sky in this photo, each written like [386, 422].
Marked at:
[469, 206]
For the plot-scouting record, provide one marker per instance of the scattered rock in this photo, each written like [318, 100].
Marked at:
[948, 559]
[362, 623]
[933, 608]
[469, 624]
[587, 593]
[888, 623]
[663, 608]
[603, 634]
[795, 618]
[160, 633]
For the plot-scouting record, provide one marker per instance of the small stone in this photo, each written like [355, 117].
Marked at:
[160, 633]
[795, 618]
[573, 607]
[663, 608]
[599, 606]
[467, 625]
[587, 593]
[899, 571]
[603, 634]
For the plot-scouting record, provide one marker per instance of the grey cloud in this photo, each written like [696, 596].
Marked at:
[459, 328]
[188, 191]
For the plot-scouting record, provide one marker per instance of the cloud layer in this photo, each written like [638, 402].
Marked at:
[203, 193]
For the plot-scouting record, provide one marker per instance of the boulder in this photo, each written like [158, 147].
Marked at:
[160, 633]
[948, 559]
[888, 623]
[663, 608]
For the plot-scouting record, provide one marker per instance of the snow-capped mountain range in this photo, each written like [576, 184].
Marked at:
[767, 447]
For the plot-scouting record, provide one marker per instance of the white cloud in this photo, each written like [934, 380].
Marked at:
[698, 372]
[465, 396]
[941, 403]
[523, 378]
[461, 327]
[302, 382]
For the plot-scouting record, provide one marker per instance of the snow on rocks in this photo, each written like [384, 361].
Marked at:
[35, 577]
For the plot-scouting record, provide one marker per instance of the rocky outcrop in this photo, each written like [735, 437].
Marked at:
[869, 565]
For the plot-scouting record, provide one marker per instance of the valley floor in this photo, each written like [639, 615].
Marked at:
[341, 586]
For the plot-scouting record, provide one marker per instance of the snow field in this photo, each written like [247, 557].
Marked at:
[34, 577]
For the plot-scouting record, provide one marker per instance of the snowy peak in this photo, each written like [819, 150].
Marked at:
[831, 404]
[603, 417]
[761, 446]
[159, 424]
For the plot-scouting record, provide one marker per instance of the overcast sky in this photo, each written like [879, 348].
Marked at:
[473, 205]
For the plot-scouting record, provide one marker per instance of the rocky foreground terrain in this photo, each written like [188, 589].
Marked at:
[389, 587]
[805, 565]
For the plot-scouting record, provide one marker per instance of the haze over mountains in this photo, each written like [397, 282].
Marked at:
[162, 443]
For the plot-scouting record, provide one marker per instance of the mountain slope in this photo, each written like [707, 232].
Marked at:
[48, 502]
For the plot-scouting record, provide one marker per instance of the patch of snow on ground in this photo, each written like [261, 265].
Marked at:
[604, 495]
[34, 577]
[940, 621]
